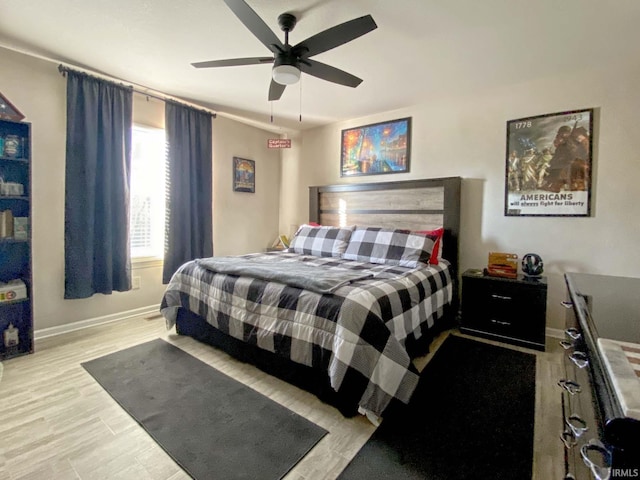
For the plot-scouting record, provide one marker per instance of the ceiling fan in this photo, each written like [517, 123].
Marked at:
[288, 61]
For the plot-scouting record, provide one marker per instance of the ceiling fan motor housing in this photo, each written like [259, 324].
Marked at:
[287, 22]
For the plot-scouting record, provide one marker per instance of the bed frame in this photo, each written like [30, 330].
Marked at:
[414, 205]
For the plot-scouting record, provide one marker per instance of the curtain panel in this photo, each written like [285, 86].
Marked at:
[98, 165]
[188, 227]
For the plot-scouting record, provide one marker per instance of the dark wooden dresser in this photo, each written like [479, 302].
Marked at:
[601, 383]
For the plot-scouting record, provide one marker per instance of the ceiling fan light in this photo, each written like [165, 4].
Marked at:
[285, 74]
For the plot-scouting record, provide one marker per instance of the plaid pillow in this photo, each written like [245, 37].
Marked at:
[391, 247]
[321, 241]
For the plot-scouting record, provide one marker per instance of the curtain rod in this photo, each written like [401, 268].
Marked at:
[63, 69]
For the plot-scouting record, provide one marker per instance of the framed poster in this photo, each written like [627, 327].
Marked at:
[377, 148]
[548, 165]
[244, 175]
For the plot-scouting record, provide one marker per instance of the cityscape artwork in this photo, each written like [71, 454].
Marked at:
[376, 148]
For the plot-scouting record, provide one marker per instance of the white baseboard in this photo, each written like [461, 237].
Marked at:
[555, 333]
[92, 322]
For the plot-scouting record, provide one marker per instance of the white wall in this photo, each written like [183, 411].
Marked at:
[242, 223]
[465, 136]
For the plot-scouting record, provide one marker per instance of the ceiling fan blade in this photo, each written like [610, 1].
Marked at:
[233, 62]
[335, 36]
[329, 73]
[275, 90]
[255, 24]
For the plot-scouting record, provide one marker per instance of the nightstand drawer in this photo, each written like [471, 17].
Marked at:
[506, 303]
[512, 310]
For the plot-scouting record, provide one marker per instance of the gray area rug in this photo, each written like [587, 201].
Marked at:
[471, 417]
[212, 425]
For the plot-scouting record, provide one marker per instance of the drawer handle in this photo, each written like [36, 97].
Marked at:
[501, 322]
[600, 471]
[566, 344]
[570, 386]
[569, 439]
[579, 358]
[566, 304]
[577, 425]
[501, 297]
[573, 332]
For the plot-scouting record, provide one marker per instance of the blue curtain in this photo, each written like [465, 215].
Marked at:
[188, 228]
[98, 165]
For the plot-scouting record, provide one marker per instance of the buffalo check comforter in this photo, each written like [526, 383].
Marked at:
[357, 333]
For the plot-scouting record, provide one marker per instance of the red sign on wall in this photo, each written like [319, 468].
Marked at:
[279, 143]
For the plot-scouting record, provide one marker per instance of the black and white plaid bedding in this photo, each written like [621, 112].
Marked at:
[357, 333]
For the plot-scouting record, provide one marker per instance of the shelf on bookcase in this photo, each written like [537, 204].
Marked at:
[14, 197]
[14, 302]
[14, 240]
[14, 159]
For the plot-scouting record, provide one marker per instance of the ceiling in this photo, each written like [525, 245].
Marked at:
[422, 49]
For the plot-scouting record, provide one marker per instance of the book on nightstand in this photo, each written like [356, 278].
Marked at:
[503, 265]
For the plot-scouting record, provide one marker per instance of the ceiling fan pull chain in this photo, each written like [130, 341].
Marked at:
[300, 118]
[271, 105]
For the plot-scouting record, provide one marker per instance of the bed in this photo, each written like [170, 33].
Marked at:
[349, 342]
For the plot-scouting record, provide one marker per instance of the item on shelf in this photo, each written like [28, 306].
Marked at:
[11, 188]
[503, 265]
[6, 224]
[12, 290]
[8, 111]
[12, 146]
[532, 265]
[11, 337]
[21, 228]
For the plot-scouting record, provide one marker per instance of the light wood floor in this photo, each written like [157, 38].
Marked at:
[56, 422]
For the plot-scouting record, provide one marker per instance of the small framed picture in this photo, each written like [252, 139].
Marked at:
[548, 169]
[244, 175]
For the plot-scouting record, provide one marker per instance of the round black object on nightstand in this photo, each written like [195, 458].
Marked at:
[532, 265]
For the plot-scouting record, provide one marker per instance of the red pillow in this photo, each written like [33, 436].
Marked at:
[314, 224]
[435, 252]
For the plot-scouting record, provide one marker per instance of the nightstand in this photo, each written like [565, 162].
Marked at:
[505, 309]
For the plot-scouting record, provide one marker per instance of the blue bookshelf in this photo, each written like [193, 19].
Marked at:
[16, 302]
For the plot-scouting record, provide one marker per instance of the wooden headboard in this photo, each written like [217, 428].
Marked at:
[411, 204]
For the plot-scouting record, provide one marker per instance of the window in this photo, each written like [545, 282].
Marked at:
[147, 201]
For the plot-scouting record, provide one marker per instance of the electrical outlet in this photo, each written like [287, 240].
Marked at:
[135, 283]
